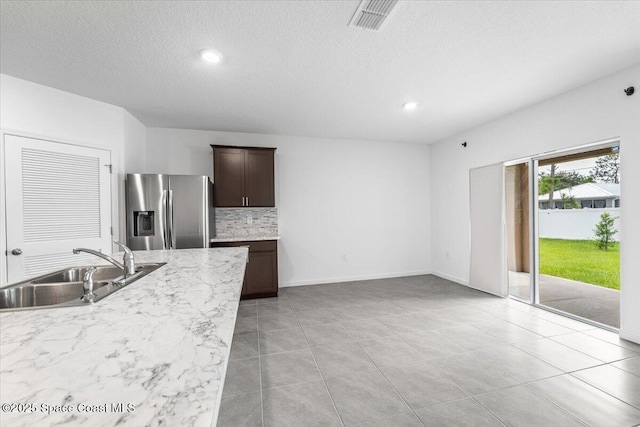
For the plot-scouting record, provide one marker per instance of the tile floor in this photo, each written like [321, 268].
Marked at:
[422, 351]
[588, 301]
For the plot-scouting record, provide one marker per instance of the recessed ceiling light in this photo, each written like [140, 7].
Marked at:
[409, 106]
[212, 56]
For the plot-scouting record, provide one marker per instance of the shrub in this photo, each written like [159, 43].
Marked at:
[604, 231]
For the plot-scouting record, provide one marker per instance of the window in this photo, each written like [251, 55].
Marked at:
[599, 204]
[616, 203]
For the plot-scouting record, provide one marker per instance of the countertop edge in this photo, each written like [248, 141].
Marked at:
[247, 238]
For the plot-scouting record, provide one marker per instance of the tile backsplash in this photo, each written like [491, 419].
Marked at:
[235, 221]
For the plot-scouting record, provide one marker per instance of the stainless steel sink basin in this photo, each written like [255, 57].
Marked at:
[64, 288]
[75, 274]
[40, 295]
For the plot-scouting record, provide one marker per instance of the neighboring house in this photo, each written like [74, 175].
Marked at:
[588, 195]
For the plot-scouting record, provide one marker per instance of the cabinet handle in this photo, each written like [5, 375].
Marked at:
[242, 200]
[247, 200]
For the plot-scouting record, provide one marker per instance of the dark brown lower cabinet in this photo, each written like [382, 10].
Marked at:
[261, 276]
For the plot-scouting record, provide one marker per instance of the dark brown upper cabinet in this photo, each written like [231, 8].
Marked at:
[243, 177]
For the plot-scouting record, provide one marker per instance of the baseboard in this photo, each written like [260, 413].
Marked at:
[451, 278]
[629, 337]
[325, 281]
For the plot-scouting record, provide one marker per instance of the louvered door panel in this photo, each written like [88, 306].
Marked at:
[40, 264]
[58, 198]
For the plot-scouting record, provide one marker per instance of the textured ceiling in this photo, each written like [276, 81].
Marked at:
[296, 68]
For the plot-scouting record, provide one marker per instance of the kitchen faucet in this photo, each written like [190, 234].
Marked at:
[127, 259]
[128, 265]
[87, 284]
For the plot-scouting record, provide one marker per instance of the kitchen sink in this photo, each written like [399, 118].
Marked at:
[75, 274]
[40, 295]
[64, 288]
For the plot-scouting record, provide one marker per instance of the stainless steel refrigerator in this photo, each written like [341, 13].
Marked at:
[169, 211]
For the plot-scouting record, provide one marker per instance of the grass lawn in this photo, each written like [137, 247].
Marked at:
[581, 260]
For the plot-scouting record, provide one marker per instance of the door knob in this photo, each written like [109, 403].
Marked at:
[16, 251]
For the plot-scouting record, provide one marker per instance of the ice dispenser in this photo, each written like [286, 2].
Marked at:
[143, 223]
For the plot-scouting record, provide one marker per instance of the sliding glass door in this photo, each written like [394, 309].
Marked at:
[562, 220]
[578, 222]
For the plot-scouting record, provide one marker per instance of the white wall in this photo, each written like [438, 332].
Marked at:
[34, 110]
[135, 144]
[367, 200]
[576, 224]
[594, 112]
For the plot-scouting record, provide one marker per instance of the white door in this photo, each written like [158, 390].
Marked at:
[488, 270]
[58, 197]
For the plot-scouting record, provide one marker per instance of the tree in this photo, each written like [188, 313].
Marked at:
[553, 181]
[560, 180]
[607, 169]
[570, 202]
[604, 231]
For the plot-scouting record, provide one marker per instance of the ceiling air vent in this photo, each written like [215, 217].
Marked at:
[372, 14]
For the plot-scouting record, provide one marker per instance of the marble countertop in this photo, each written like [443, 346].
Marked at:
[159, 346]
[244, 238]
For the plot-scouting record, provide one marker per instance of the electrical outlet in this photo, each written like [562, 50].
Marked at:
[249, 220]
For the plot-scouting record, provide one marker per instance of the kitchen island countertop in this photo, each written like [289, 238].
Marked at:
[159, 347]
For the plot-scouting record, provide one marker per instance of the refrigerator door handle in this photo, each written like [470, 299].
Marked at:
[172, 236]
[165, 229]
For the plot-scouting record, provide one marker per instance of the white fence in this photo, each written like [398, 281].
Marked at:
[575, 224]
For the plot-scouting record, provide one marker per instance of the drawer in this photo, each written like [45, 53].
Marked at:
[254, 246]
